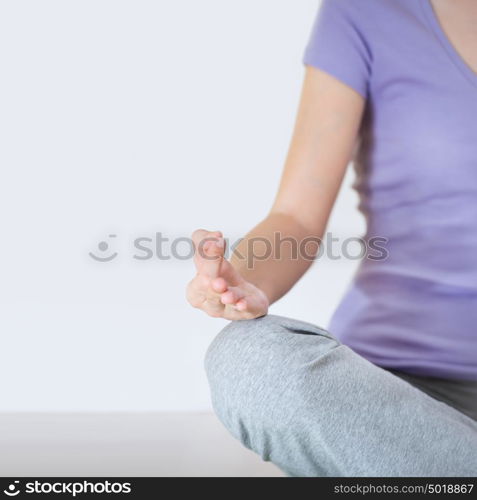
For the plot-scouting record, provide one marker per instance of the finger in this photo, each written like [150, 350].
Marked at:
[230, 274]
[252, 305]
[203, 234]
[242, 305]
[209, 252]
[213, 302]
[214, 308]
[219, 285]
[232, 296]
[231, 313]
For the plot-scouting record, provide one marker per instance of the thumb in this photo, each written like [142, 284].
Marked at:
[209, 252]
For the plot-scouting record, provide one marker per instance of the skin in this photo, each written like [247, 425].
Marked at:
[323, 142]
[325, 132]
[458, 19]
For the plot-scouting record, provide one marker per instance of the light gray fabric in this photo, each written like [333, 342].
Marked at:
[295, 395]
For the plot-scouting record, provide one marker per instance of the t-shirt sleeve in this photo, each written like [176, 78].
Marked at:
[338, 46]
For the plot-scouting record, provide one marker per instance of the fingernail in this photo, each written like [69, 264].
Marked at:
[220, 243]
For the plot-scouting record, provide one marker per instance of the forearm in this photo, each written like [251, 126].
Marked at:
[275, 254]
[278, 251]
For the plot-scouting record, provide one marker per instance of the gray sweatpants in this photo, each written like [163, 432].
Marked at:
[298, 397]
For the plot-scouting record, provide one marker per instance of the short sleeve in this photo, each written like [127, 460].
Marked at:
[338, 46]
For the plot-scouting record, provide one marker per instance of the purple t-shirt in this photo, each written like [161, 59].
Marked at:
[416, 311]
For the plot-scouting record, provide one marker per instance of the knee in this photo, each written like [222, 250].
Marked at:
[264, 347]
[253, 366]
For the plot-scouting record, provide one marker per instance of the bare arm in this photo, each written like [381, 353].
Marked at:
[325, 133]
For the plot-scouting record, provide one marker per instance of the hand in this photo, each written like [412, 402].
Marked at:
[218, 288]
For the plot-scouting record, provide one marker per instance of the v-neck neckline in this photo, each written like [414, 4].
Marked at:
[449, 47]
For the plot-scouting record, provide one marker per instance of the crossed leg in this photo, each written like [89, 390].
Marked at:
[295, 395]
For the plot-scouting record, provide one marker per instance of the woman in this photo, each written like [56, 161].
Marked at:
[392, 391]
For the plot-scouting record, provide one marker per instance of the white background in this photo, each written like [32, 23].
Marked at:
[132, 117]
